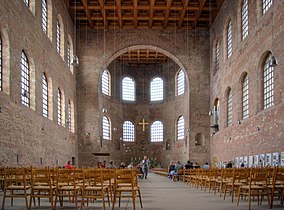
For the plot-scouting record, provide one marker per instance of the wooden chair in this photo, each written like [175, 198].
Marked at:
[41, 186]
[126, 185]
[277, 186]
[15, 182]
[93, 187]
[257, 186]
[66, 186]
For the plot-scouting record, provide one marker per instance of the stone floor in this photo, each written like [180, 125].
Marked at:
[160, 193]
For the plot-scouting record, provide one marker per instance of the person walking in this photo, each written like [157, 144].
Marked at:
[145, 167]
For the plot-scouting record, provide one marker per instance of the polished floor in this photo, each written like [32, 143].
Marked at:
[160, 193]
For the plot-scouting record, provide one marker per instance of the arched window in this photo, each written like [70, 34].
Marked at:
[245, 98]
[268, 84]
[106, 82]
[266, 4]
[128, 89]
[229, 108]
[1, 61]
[68, 55]
[229, 40]
[128, 131]
[27, 2]
[157, 89]
[58, 36]
[217, 55]
[180, 83]
[157, 132]
[245, 19]
[44, 96]
[216, 114]
[59, 107]
[180, 128]
[44, 15]
[69, 119]
[25, 80]
[106, 128]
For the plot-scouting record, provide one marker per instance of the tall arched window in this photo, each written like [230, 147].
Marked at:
[229, 108]
[44, 96]
[106, 128]
[128, 131]
[245, 19]
[44, 15]
[245, 98]
[180, 128]
[59, 107]
[128, 89]
[180, 83]
[58, 36]
[1, 61]
[25, 80]
[68, 55]
[157, 89]
[229, 40]
[106, 82]
[268, 84]
[157, 132]
[27, 2]
[217, 55]
[266, 4]
[69, 119]
[216, 114]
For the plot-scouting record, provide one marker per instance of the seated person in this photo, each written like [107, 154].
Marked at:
[171, 168]
[68, 165]
[111, 165]
[177, 168]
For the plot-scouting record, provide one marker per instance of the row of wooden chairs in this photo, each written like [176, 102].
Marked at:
[248, 182]
[56, 184]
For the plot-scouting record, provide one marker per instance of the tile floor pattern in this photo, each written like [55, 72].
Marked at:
[160, 193]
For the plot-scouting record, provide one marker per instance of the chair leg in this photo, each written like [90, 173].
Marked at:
[140, 198]
[133, 200]
[26, 199]
[4, 196]
[31, 197]
[103, 200]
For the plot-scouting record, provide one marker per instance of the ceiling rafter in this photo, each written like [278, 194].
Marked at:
[198, 13]
[167, 13]
[88, 13]
[185, 4]
[135, 12]
[102, 8]
[151, 14]
[118, 9]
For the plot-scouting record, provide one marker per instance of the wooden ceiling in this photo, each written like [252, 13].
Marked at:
[145, 14]
[142, 57]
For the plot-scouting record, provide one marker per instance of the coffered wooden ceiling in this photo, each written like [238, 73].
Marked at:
[145, 14]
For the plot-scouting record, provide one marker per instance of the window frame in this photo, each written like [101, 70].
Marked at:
[180, 131]
[229, 39]
[25, 80]
[45, 98]
[104, 129]
[58, 37]
[245, 19]
[106, 83]
[245, 97]
[180, 83]
[217, 55]
[266, 4]
[154, 93]
[157, 132]
[268, 83]
[124, 88]
[229, 108]
[128, 133]
[44, 16]
[59, 107]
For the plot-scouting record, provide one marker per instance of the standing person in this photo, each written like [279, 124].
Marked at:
[145, 167]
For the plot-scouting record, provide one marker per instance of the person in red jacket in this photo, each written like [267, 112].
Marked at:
[68, 165]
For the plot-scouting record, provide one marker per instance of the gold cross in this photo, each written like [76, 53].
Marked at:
[143, 124]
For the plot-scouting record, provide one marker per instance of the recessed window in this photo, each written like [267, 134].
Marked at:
[69, 120]
[25, 80]
[217, 55]
[266, 4]
[180, 128]
[245, 19]
[157, 132]
[106, 82]
[58, 36]
[229, 40]
[128, 131]
[246, 97]
[59, 107]
[180, 83]
[44, 15]
[106, 128]
[157, 89]
[44, 96]
[128, 89]
[1, 61]
[268, 84]
[26, 2]
[229, 108]
[68, 55]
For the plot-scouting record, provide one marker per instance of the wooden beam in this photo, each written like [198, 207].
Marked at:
[118, 9]
[151, 14]
[88, 13]
[102, 8]
[181, 19]
[135, 12]
[199, 12]
[167, 13]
